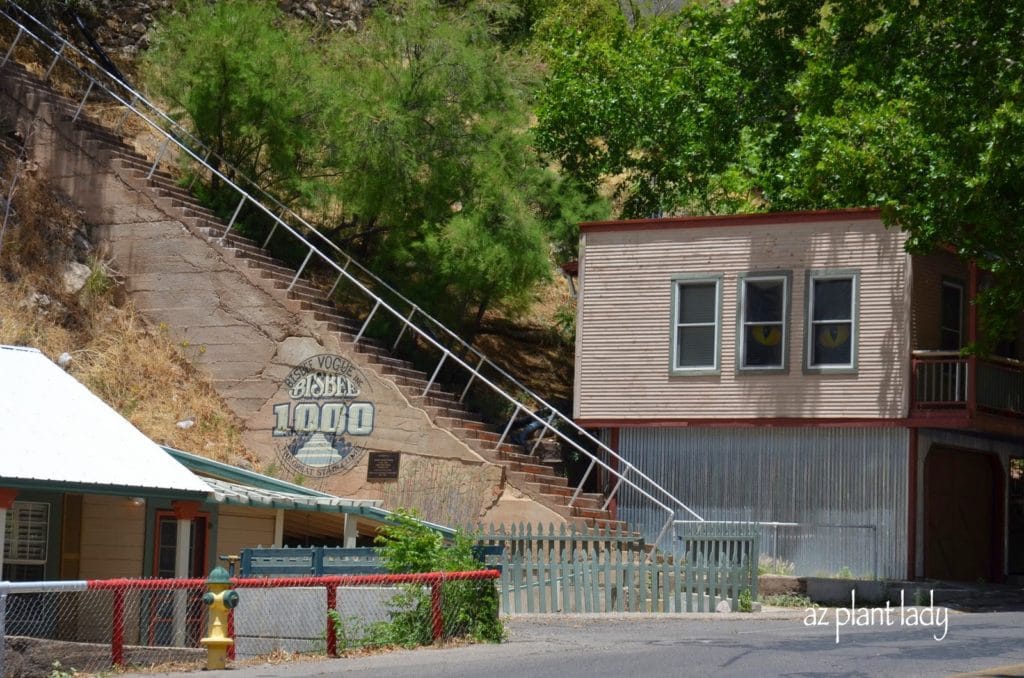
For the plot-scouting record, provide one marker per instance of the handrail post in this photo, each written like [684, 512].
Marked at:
[579, 488]
[301, 268]
[366, 323]
[205, 163]
[341, 275]
[273, 229]
[124, 116]
[611, 494]
[508, 426]
[159, 157]
[81, 104]
[472, 376]
[547, 427]
[436, 371]
[13, 45]
[56, 58]
[405, 326]
[233, 217]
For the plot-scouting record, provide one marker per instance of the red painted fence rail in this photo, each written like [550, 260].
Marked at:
[331, 583]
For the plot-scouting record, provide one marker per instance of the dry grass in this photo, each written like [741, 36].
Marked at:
[134, 367]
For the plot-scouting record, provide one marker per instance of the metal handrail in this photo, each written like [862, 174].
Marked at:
[156, 119]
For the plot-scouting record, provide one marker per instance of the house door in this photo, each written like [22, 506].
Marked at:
[162, 603]
[963, 516]
[1016, 516]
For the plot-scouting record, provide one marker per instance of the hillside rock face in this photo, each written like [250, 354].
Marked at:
[122, 27]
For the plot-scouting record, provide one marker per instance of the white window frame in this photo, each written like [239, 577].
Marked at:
[679, 281]
[809, 324]
[16, 514]
[741, 322]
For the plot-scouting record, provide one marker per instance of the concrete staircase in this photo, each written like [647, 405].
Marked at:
[539, 480]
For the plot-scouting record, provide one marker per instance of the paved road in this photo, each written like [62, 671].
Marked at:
[735, 645]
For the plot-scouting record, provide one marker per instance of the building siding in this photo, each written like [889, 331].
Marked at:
[926, 310]
[815, 476]
[113, 545]
[239, 528]
[623, 340]
[113, 537]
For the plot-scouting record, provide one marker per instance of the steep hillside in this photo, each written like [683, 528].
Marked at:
[57, 295]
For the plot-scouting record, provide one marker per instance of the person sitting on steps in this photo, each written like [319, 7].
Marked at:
[525, 425]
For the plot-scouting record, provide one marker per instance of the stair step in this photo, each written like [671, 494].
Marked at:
[582, 502]
[456, 423]
[543, 479]
[594, 513]
[436, 411]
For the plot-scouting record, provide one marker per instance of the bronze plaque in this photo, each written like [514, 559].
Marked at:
[383, 466]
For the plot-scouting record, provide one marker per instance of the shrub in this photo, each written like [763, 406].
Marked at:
[470, 608]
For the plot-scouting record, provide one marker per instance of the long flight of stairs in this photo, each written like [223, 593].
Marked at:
[535, 478]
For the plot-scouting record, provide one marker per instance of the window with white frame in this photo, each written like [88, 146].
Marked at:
[764, 310]
[26, 537]
[696, 312]
[832, 320]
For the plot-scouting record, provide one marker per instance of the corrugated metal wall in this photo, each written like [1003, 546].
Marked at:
[819, 476]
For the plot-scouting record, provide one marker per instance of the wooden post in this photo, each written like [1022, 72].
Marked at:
[435, 610]
[972, 337]
[117, 629]
[332, 633]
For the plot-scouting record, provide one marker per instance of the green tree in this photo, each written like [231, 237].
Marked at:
[246, 80]
[654, 108]
[435, 145]
[773, 104]
[918, 108]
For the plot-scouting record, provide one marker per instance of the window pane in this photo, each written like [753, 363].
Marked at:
[696, 303]
[833, 299]
[763, 346]
[763, 300]
[695, 347]
[832, 344]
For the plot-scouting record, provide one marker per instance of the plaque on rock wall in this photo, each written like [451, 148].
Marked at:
[383, 466]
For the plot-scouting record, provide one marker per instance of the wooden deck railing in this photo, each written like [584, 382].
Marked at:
[941, 380]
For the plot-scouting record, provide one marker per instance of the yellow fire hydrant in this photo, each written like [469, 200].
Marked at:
[221, 598]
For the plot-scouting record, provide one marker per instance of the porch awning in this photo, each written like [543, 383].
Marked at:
[225, 492]
[55, 434]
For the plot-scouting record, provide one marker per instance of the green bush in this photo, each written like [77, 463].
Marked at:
[469, 608]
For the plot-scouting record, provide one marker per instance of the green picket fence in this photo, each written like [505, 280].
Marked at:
[579, 582]
[551, 542]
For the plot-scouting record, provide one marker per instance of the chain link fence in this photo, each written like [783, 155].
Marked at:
[96, 625]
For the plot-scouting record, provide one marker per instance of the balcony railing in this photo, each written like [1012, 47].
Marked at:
[941, 380]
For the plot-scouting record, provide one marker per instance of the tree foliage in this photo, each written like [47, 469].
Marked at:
[913, 107]
[230, 67]
[416, 129]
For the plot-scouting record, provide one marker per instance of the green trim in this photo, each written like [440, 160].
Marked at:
[688, 279]
[233, 474]
[89, 488]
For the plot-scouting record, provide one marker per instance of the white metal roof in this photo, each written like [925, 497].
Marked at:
[226, 492]
[55, 432]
